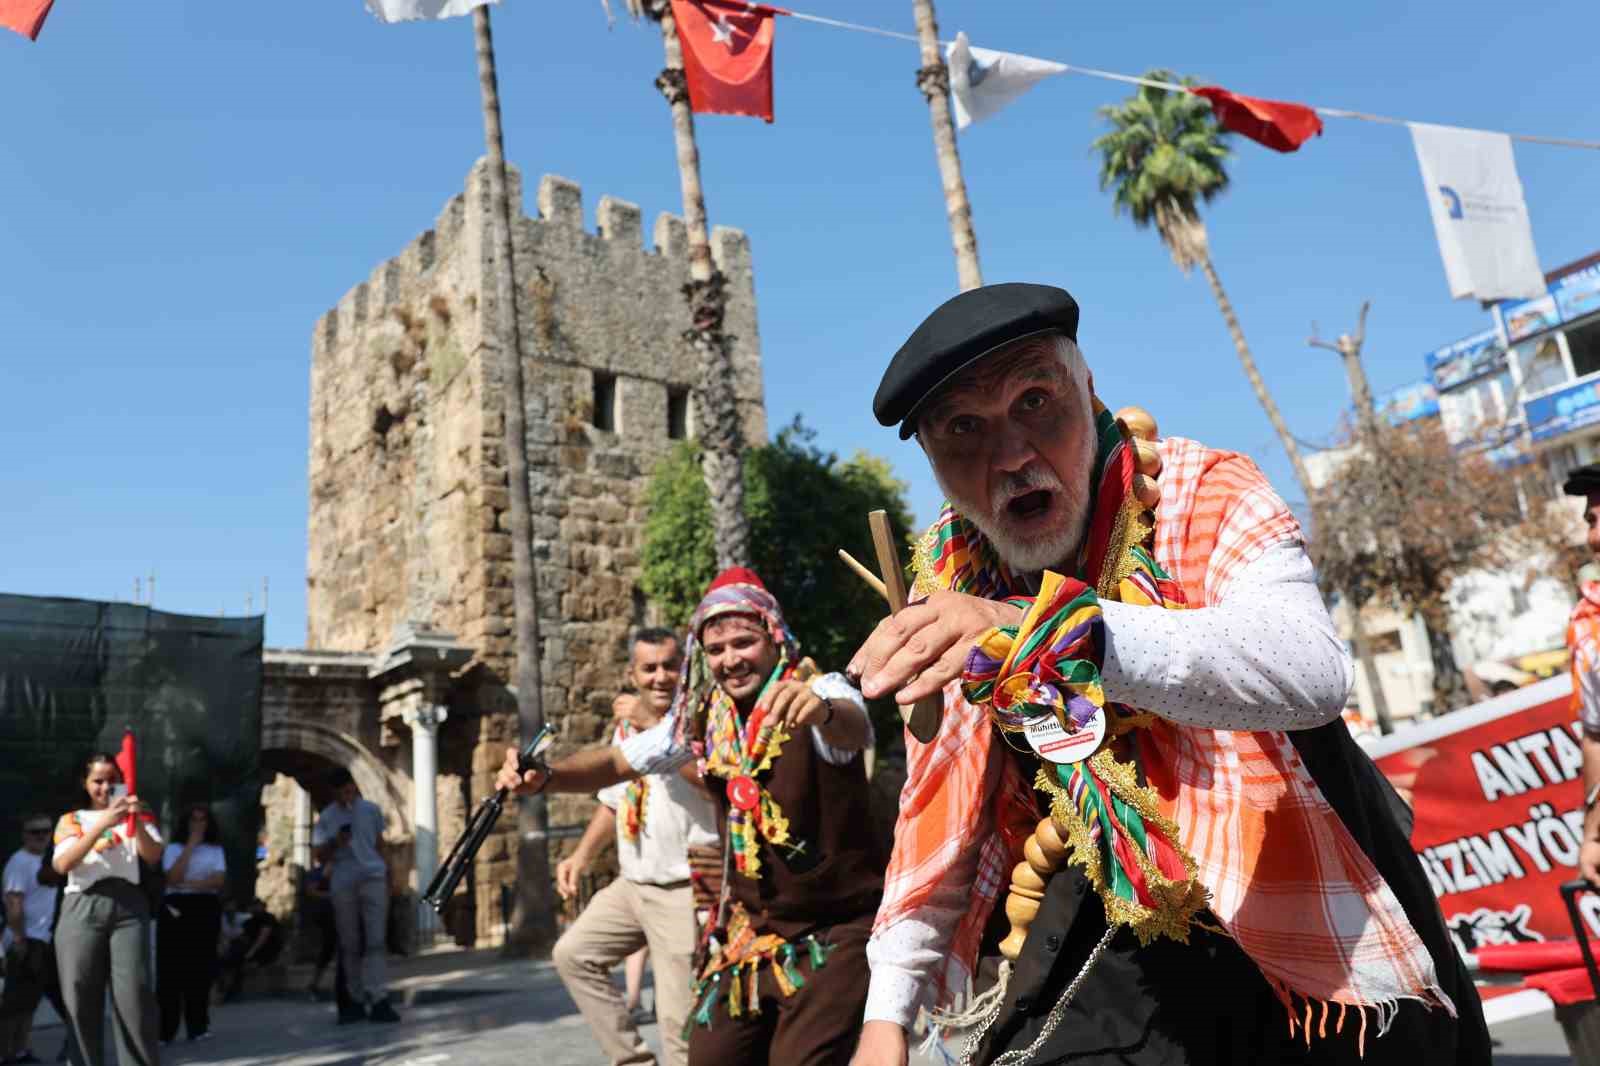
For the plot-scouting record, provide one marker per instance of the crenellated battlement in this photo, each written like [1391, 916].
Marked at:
[618, 224]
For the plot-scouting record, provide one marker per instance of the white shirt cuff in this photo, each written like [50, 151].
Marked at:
[893, 995]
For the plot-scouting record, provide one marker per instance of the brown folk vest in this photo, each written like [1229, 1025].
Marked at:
[832, 871]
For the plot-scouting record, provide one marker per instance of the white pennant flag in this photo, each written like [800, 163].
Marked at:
[983, 81]
[408, 10]
[1479, 215]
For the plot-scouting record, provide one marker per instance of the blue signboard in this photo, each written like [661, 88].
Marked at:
[1558, 413]
[1407, 403]
[1524, 318]
[1578, 294]
[1477, 355]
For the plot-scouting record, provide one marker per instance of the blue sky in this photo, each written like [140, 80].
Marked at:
[188, 185]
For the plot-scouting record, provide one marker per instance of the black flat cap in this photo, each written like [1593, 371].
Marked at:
[1583, 480]
[961, 331]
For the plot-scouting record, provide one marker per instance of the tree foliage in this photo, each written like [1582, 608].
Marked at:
[1401, 521]
[1163, 156]
[803, 505]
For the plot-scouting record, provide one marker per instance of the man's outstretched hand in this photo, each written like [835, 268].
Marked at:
[881, 1044]
[917, 651]
[523, 783]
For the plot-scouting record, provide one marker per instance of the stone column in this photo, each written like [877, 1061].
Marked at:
[424, 721]
[301, 855]
[414, 680]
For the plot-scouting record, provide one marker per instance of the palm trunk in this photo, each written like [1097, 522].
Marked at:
[1380, 702]
[1247, 361]
[533, 927]
[719, 428]
[934, 81]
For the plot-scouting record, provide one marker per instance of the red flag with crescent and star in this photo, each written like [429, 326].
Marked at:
[1275, 123]
[24, 16]
[727, 55]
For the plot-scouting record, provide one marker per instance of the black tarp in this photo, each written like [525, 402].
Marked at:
[75, 673]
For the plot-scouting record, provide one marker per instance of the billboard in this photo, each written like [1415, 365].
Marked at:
[1558, 413]
[1578, 294]
[1524, 318]
[1497, 791]
[1407, 403]
[1473, 357]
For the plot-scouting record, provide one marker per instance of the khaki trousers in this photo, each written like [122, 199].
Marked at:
[619, 920]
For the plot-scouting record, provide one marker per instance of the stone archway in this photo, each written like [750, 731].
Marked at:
[283, 737]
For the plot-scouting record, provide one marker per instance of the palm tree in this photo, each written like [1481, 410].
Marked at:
[533, 928]
[933, 78]
[1164, 156]
[720, 432]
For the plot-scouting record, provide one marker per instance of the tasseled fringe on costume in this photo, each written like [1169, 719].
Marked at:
[707, 1005]
[980, 1010]
[744, 984]
[1300, 1010]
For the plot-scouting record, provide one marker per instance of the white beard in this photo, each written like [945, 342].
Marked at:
[1055, 549]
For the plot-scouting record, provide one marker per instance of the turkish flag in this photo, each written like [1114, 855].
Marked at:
[1274, 123]
[727, 55]
[24, 16]
[128, 763]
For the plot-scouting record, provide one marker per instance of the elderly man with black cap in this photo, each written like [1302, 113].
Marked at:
[1583, 642]
[1141, 691]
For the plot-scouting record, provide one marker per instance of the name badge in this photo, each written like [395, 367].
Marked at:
[1051, 742]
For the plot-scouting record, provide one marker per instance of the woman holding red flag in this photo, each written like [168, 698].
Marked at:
[103, 937]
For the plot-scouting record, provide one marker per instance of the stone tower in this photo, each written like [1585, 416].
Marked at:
[408, 523]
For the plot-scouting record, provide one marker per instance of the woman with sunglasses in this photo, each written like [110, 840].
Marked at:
[103, 935]
[189, 924]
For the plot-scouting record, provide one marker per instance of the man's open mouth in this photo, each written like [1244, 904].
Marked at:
[1030, 505]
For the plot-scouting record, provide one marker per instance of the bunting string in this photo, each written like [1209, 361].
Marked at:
[1130, 79]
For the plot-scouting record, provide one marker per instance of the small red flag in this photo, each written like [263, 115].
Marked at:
[1274, 123]
[24, 16]
[128, 763]
[727, 55]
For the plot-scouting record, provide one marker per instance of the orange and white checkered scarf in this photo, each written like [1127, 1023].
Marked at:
[1287, 881]
[1583, 642]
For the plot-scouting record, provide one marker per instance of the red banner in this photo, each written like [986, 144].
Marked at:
[1498, 793]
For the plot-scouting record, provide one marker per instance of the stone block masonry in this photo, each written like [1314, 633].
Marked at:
[408, 494]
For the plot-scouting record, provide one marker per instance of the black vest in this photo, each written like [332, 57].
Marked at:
[1205, 1002]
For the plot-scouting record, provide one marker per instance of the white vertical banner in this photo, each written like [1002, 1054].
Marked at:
[408, 10]
[1479, 215]
[982, 81]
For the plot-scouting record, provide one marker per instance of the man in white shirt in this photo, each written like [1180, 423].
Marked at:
[30, 960]
[348, 836]
[655, 820]
[1232, 852]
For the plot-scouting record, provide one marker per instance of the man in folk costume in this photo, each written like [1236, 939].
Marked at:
[784, 976]
[783, 970]
[1140, 747]
[1583, 643]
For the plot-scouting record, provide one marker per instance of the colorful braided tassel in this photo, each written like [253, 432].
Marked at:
[1050, 665]
[819, 952]
[754, 984]
[707, 1005]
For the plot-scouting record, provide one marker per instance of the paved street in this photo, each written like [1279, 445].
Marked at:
[473, 1009]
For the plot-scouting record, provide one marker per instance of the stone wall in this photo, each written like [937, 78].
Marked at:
[408, 492]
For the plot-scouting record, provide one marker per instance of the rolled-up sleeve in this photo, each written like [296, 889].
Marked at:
[656, 750]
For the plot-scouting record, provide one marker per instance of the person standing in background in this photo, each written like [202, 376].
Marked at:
[30, 959]
[103, 935]
[189, 924]
[348, 837]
